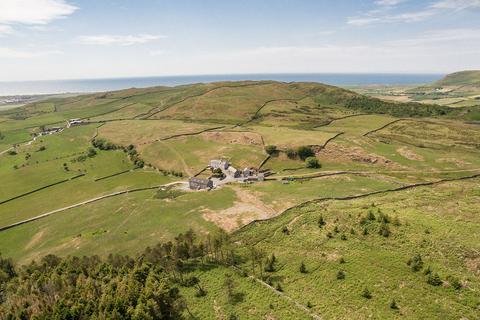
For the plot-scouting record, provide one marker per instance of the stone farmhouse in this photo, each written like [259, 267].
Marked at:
[74, 122]
[233, 172]
[200, 183]
[219, 164]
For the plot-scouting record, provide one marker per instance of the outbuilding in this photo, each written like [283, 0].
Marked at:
[200, 184]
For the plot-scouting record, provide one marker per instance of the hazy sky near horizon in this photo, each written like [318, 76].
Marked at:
[66, 39]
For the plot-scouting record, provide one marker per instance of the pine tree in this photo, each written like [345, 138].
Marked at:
[415, 263]
[393, 305]
[321, 221]
[366, 293]
[303, 268]
[434, 279]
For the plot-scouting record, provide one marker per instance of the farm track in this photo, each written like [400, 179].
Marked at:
[179, 157]
[44, 215]
[347, 198]
[5, 151]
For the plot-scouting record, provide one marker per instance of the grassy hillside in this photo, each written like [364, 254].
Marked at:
[118, 183]
[470, 77]
[459, 91]
[370, 240]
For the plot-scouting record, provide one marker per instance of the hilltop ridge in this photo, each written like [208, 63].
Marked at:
[468, 77]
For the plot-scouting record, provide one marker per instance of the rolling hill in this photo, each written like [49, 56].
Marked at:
[461, 78]
[97, 217]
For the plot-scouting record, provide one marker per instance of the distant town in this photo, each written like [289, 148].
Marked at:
[7, 100]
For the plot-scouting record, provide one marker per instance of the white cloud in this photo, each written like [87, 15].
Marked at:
[6, 52]
[389, 3]
[34, 11]
[446, 37]
[382, 57]
[456, 4]
[157, 53]
[122, 40]
[5, 29]
[384, 14]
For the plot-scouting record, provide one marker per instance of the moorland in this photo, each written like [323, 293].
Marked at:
[385, 225]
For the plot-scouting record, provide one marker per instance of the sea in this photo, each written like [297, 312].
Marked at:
[108, 84]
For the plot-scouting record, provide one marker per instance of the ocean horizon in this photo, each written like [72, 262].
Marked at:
[9, 88]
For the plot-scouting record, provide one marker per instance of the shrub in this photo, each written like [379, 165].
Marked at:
[329, 235]
[291, 154]
[218, 173]
[434, 279]
[304, 152]
[340, 275]
[384, 230]
[285, 230]
[102, 144]
[415, 263]
[427, 271]
[454, 282]
[343, 237]
[279, 287]
[383, 218]
[200, 293]
[393, 305]
[366, 293]
[42, 148]
[12, 153]
[91, 153]
[139, 163]
[371, 216]
[81, 158]
[270, 264]
[270, 149]
[312, 162]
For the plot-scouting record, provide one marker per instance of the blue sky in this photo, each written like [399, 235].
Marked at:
[65, 39]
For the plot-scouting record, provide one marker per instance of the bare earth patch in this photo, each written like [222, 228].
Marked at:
[35, 239]
[246, 209]
[409, 154]
[457, 162]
